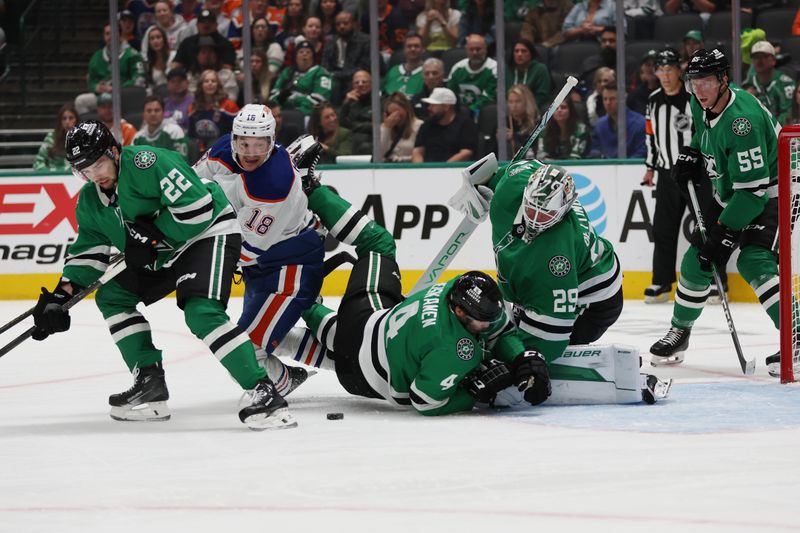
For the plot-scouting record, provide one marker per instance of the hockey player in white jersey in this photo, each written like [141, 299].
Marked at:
[282, 251]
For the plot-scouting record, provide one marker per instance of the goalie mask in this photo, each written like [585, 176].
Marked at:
[253, 136]
[548, 196]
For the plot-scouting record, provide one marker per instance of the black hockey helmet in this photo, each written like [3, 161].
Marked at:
[706, 63]
[667, 56]
[478, 295]
[87, 142]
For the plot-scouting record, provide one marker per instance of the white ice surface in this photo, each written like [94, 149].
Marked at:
[722, 454]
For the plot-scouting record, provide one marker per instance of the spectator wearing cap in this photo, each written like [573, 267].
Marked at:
[221, 14]
[305, 85]
[773, 88]
[347, 52]
[525, 69]
[604, 135]
[105, 114]
[206, 27]
[691, 43]
[432, 77]
[159, 131]
[446, 136]
[646, 83]
[474, 78]
[127, 29]
[131, 72]
[407, 76]
[208, 59]
[179, 98]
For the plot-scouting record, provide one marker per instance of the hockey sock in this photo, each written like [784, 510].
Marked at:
[128, 327]
[759, 267]
[693, 288]
[300, 345]
[322, 323]
[349, 225]
[228, 342]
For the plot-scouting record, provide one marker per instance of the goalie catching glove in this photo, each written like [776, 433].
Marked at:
[474, 197]
[531, 377]
[487, 380]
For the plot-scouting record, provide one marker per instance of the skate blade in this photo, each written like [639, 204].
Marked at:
[278, 419]
[714, 300]
[146, 412]
[660, 299]
[674, 359]
[661, 390]
[774, 370]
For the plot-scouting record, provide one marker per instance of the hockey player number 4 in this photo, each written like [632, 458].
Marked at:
[400, 317]
[750, 159]
[174, 184]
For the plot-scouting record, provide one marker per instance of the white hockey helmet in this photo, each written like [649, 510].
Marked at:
[254, 121]
[548, 196]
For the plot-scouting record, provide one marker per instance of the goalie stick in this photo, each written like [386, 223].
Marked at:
[748, 367]
[115, 266]
[474, 173]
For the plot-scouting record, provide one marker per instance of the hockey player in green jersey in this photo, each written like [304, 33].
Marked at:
[305, 85]
[562, 280]
[432, 351]
[735, 146]
[179, 234]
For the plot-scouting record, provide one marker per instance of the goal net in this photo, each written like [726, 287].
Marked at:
[789, 250]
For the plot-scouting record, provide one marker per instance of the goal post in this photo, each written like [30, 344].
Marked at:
[789, 249]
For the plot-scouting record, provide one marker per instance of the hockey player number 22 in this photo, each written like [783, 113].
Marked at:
[174, 184]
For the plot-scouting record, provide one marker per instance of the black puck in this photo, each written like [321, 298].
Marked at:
[335, 416]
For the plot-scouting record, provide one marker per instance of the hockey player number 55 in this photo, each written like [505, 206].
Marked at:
[750, 159]
[173, 184]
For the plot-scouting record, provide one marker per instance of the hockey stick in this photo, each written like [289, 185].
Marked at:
[115, 266]
[462, 233]
[748, 367]
[17, 320]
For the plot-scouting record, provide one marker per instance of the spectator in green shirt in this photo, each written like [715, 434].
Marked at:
[51, 152]
[156, 131]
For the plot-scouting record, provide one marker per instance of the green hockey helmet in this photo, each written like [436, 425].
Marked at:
[548, 196]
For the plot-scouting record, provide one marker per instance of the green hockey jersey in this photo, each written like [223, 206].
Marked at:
[740, 152]
[550, 279]
[155, 183]
[474, 88]
[302, 90]
[168, 135]
[131, 68]
[424, 352]
[776, 95]
[398, 79]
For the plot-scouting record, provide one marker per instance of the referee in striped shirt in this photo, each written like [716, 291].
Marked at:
[669, 128]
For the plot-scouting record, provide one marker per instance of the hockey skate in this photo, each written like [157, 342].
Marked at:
[657, 294]
[267, 409]
[146, 400]
[714, 297]
[297, 376]
[653, 389]
[670, 349]
[774, 364]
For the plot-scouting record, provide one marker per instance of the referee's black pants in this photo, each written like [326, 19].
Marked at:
[670, 206]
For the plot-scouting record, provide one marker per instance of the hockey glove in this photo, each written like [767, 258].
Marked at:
[688, 167]
[719, 245]
[487, 380]
[305, 152]
[531, 377]
[141, 243]
[49, 316]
